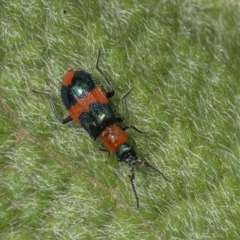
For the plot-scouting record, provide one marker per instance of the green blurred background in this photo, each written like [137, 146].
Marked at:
[183, 59]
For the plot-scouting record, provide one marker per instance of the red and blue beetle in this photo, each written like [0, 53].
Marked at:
[88, 106]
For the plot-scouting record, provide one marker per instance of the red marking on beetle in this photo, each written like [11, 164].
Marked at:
[82, 105]
[67, 79]
[113, 137]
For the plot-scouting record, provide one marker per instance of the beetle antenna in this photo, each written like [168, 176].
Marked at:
[147, 164]
[131, 177]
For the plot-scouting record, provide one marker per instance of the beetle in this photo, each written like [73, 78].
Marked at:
[88, 105]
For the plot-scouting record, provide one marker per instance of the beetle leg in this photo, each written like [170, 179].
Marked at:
[111, 92]
[59, 119]
[103, 149]
[120, 119]
[134, 128]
